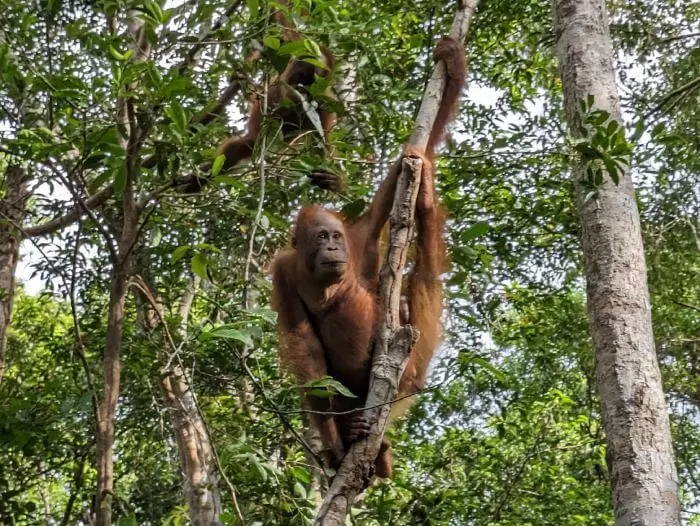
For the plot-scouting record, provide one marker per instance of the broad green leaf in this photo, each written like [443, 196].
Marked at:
[199, 265]
[476, 230]
[272, 42]
[329, 384]
[229, 333]
[178, 254]
[301, 474]
[116, 54]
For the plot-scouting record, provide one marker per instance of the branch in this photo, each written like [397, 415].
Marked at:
[191, 56]
[207, 116]
[686, 305]
[389, 359]
[432, 98]
[94, 201]
[680, 92]
[678, 37]
[394, 342]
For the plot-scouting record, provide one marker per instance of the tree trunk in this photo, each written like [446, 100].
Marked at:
[12, 210]
[133, 135]
[643, 473]
[201, 479]
[108, 406]
[200, 474]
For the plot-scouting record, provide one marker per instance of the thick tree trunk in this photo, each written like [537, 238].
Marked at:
[12, 210]
[644, 478]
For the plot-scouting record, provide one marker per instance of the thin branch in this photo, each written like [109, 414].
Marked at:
[686, 305]
[140, 284]
[679, 37]
[94, 201]
[274, 409]
[259, 211]
[191, 56]
[682, 91]
[79, 344]
[78, 478]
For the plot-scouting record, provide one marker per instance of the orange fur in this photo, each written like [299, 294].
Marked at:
[329, 328]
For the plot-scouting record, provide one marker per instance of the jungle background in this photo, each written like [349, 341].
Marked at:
[508, 431]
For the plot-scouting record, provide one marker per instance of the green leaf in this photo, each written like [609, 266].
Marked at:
[476, 230]
[154, 10]
[98, 181]
[598, 117]
[199, 265]
[209, 247]
[469, 358]
[611, 168]
[177, 116]
[272, 42]
[296, 48]
[116, 54]
[229, 333]
[320, 393]
[129, 520]
[156, 236]
[315, 62]
[218, 164]
[328, 384]
[658, 129]
[312, 47]
[119, 175]
[301, 474]
[178, 254]
[638, 130]
[299, 490]
[253, 7]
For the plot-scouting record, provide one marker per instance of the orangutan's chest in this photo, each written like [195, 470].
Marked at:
[347, 336]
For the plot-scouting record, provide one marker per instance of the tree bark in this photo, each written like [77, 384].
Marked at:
[389, 359]
[108, 407]
[641, 462]
[12, 213]
[200, 473]
[200, 476]
[133, 135]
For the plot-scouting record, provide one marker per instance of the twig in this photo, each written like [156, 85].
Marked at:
[191, 56]
[686, 305]
[259, 211]
[94, 201]
[275, 409]
[678, 37]
[79, 344]
[683, 90]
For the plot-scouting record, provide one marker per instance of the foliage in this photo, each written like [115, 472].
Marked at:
[509, 430]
